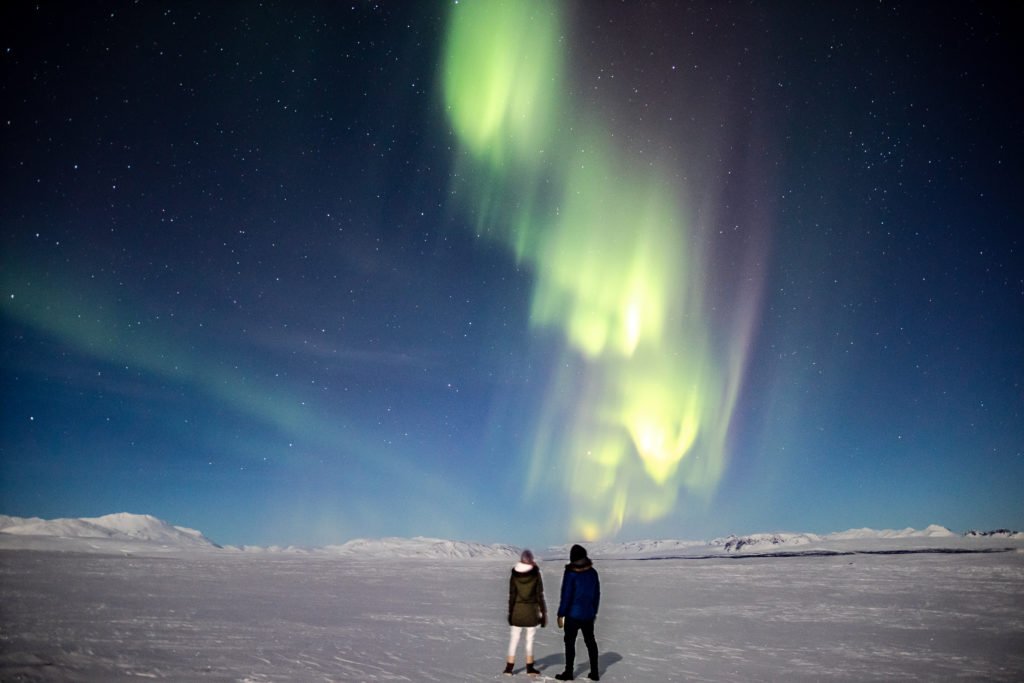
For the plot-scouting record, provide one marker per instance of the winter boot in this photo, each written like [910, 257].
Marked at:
[530, 669]
[593, 676]
[508, 668]
[564, 676]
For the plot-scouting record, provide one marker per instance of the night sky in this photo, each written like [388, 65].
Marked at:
[526, 273]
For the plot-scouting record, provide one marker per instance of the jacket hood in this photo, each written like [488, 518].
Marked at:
[524, 569]
[580, 565]
[578, 560]
[577, 552]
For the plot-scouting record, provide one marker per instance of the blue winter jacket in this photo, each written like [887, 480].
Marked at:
[581, 592]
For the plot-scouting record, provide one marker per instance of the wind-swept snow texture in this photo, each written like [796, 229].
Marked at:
[231, 616]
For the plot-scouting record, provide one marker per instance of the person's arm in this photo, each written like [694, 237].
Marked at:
[597, 592]
[543, 603]
[511, 597]
[567, 591]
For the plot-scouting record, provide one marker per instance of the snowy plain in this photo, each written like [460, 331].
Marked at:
[144, 603]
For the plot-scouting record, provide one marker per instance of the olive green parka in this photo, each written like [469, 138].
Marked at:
[526, 606]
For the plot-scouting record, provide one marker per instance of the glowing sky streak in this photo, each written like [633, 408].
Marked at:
[641, 406]
[92, 323]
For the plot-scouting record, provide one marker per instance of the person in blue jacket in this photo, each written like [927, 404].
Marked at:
[577, 609]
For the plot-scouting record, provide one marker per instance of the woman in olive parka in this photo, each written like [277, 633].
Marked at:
[526, 608]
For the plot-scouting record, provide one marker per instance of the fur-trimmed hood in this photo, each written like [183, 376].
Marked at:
[580, 565]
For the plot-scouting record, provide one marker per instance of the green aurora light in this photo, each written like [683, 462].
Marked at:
[641, 409]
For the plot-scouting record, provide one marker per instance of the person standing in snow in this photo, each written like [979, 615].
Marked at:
[526, 609]
[577, 610]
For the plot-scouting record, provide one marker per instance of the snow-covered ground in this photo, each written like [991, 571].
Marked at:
[129, 609]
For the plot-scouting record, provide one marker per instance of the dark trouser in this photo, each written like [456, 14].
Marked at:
[572, 628]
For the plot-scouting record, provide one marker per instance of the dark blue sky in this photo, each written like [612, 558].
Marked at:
[244, 290]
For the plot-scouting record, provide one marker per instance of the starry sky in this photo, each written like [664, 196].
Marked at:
[295, 273]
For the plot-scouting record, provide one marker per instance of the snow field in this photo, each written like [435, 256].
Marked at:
[237, 617]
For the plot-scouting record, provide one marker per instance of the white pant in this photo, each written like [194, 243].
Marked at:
[513, 640]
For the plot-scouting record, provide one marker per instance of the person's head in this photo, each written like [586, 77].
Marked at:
[527, 557]
[577, 554]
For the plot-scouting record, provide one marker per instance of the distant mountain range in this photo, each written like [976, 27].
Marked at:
[122, 526]
[131, 533]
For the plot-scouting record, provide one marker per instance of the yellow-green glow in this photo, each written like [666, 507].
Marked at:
[611, 260]
[640, 410]
[501, 62]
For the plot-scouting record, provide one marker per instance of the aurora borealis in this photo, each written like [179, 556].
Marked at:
[616, 272]
[511, 271]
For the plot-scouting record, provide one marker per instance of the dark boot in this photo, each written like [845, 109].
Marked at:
[508, 668]
[593, 676]
[531, 670]
[564, 676]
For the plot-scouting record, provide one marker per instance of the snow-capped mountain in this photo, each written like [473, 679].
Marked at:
[996, 533]
[433, 548]
[647, 548]
[762, 542]
[8, 521]
[133, 533]
[932, 531]
[116, 527]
